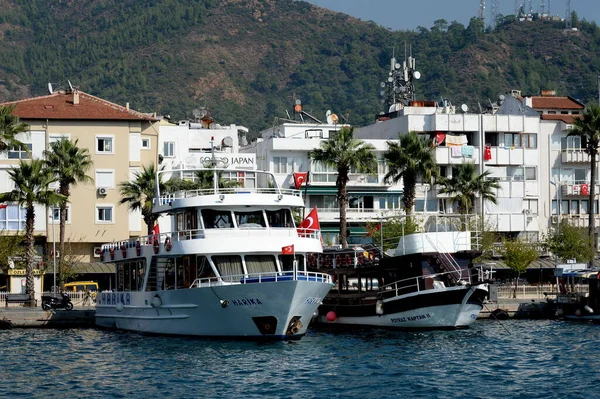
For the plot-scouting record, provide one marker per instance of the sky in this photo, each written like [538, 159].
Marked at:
[408, 14]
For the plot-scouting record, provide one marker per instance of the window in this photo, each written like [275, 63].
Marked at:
[283, 164]
[571, 143]
[145, 144]
[169, 149]
[491, 139]
[104, 213]
[55, 214]
[531, 205]
[523, 140]
[104, 145]
[105, 178]
[12, 218]
[250, 219]
[15, 152]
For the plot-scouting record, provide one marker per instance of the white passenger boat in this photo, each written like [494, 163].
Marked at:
[429, 283]
[233, 265]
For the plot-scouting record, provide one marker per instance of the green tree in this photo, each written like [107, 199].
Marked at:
[32, 180]
[588, 128]
[69, 163]
[139, 192]
[570, 242]
[518, 255]
[10, 126]
[466, 184]
[347, 155]
[409, 159]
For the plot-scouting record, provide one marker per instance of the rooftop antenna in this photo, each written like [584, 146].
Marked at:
[50, 89]
[568, 16]
[481, 14]
[70, 85]
[495, 11]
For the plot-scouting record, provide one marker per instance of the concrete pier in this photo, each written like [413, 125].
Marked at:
[519, 309]
[22, 317]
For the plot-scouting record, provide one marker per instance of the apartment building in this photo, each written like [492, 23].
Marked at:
[120, 141]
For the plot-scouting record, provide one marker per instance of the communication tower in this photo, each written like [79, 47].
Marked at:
[568, 16]
[481, 14]
[398, 88]
[495, 11]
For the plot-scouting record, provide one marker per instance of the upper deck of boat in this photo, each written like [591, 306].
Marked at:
[250, 188]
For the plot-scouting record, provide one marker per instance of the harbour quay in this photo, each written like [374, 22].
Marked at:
[22, 317]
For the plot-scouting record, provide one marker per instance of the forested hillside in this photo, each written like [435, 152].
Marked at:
[246, 59]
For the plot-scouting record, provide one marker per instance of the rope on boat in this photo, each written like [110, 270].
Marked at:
[498, 320]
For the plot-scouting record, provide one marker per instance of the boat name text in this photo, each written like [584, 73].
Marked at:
[411, 318]
[112, 298]
[245, 301]
[311, 300]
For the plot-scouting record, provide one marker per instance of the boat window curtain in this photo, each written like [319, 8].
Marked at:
[228, 265]
[260, 264]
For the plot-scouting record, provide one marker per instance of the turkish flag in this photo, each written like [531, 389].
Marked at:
[288, 250]
[439, 138]
[487, 153]
[585, 189]
[156, 230]
[299, 179]
[2, 206]
[311, 223]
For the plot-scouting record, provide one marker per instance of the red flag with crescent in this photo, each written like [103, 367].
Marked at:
[287, 250]
[585, 189]
[299, 179]
[310, 223]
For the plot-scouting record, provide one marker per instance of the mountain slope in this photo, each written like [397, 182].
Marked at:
[246, 59]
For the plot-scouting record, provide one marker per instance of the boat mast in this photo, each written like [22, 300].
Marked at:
[213, 164]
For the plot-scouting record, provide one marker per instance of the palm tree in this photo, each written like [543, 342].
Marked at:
[588, 128]
[346, 154]
[139, 192]
[69, 164]
[411, 158]
[32, 180]
[10, 126]
[466, 184]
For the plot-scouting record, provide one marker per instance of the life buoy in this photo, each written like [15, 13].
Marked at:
[112, 253]
[168, 245]
[138, 248]
[155, 244]
[124, 250]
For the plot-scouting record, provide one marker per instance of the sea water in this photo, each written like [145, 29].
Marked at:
[515, 359]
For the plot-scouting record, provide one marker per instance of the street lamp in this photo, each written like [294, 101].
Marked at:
[51, 218]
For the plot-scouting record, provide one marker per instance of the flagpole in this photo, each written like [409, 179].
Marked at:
[305, 191]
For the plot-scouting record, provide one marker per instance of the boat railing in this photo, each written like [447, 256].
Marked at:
[263, 277]
[412, 284]
[170, 197]
[449, 263]
[196, 234]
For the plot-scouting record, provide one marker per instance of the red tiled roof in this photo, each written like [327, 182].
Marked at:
[59, 105]
[558, 117]
[545, 102]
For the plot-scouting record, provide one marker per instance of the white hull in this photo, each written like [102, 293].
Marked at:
[199, 311]
[461, 314]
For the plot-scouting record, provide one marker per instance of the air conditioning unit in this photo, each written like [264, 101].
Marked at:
[527, 211]
[97, 252]
[102, 190]
[554, 219]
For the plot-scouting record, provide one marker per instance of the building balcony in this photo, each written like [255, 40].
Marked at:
[576, 220]
[577, 189]
[574, 156]
[329, 215]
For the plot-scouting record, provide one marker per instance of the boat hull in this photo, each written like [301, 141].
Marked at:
[448, 308]
[253, 311]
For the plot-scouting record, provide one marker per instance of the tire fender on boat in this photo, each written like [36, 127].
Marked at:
[168, 244]
[156, 245]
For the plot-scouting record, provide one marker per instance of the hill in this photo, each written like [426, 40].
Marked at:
[246, 59]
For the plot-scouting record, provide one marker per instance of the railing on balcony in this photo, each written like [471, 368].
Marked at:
[574, 156]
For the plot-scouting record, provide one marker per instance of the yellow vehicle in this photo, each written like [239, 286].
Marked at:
[83, 286]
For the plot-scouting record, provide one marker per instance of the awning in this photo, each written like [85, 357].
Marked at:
[316, 190]
[320, 190]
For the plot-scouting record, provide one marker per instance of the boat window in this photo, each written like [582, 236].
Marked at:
[130, 276]
[250, 219]
[214, 219]
[203, 268]
[260, 264]
[280, 218]
[287, 262]
[228, 265]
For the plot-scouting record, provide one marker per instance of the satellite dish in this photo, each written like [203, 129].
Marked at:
[382, 93]
[390, 79]
[397, 65]
[298, 102]
[227, 142]
[382, 84]
[502, 97]
[70, 85]
[50, 88]
[464, 108]
[11, 264]
[417, 75]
